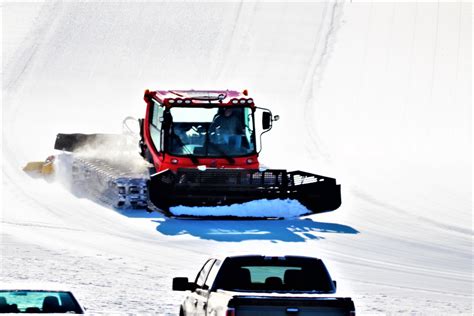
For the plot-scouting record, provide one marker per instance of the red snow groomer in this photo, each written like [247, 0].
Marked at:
[202, 147]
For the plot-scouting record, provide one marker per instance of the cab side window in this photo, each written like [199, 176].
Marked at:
[155, 124]
[203, 274]
[212, 274]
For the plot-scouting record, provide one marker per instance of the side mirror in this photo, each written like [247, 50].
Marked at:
[335, 284]
[266, 120]
[182, 284]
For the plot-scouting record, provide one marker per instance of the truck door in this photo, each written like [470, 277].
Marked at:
[196, 302]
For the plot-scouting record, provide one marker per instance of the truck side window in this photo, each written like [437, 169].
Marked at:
[155, 124]
[212, 274]
[202, 275]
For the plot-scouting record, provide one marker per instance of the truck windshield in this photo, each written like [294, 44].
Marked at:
[211, 132]
[262, 274]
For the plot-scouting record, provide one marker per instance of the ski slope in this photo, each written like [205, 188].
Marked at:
[377, 95]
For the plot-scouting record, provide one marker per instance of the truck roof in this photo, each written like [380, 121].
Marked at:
[201, 97]
[272, 256]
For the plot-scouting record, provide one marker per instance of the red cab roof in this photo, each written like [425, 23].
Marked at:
[201, 97]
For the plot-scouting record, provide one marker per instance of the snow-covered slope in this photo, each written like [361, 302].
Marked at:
[376, 95]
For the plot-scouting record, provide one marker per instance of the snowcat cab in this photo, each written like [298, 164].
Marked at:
[208, 133]
[187, 129]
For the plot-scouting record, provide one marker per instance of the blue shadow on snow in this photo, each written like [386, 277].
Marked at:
[287, 230]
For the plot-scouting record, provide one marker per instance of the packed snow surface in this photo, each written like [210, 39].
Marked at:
[376, 95]
[278, 208]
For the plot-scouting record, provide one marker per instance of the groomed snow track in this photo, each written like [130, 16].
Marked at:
[101, 180]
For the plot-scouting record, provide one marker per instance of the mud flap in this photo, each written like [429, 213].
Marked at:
[216, 187]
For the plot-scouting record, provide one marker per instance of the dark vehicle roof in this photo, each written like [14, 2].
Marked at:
[272, 260]
[267, 256]
[260, 257]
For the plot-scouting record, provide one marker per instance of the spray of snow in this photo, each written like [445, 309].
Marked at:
[118, 150]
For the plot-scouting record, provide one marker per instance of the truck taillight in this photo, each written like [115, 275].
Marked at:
[230, 311]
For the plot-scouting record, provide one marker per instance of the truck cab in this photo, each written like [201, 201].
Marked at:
[262, 285]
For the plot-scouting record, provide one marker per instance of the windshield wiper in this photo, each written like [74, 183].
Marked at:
[222, 152]
[208, 143]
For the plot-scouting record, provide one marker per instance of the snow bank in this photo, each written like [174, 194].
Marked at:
[260, 208]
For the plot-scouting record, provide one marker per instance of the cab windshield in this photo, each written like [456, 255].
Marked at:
[211, 132]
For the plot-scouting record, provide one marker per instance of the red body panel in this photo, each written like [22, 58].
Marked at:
[163, 161]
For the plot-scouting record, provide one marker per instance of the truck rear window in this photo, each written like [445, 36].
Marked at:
[274, 275]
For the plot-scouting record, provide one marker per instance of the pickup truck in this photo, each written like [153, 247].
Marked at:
[262, 285]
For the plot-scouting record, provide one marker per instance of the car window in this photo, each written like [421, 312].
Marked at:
[274, 274]
[155, 126]
[212, 274]
[28, 301]
[202, 275]
[258, 274]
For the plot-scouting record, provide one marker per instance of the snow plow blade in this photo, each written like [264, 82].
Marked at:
[216, 187]
[44, 168]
